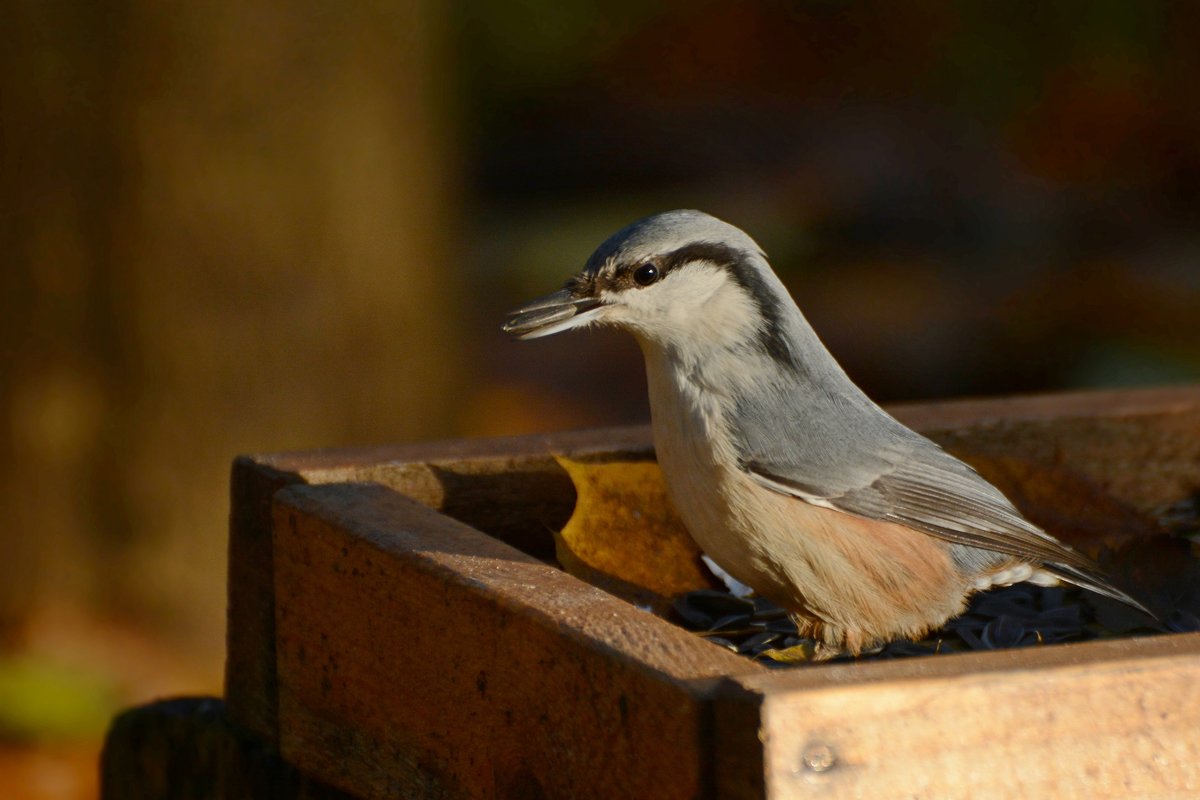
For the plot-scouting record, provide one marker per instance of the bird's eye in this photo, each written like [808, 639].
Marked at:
[645, 275]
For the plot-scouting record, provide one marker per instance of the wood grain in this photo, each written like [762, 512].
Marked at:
[1099, 720]
[418, 657]
[510, 486]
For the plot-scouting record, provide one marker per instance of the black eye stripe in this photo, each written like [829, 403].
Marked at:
[721, 255]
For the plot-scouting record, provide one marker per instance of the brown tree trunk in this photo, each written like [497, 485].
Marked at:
[227, 229]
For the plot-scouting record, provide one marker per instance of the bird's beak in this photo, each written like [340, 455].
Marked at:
[553, 313]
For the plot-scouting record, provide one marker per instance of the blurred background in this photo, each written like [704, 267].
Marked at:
[235, 227]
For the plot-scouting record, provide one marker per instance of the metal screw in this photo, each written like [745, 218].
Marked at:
[819, 758]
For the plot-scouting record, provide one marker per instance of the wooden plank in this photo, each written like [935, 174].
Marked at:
[509, 485]
[187, 748]
[418, 657]
[1099, 720]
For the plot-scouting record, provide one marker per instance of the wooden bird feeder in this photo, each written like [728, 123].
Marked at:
[397, 628]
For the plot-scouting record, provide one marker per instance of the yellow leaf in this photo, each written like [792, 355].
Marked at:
[796, 654]
[624, 535]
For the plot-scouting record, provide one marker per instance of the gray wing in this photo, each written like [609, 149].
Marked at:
[844, 452]
[931, 491]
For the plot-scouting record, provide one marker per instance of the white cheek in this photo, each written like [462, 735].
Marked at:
[699, 306]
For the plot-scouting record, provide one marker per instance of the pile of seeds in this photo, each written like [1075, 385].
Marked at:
[1014, 616]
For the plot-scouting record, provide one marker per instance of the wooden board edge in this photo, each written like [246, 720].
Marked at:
[251, 690]
[393, 524]
[739, 771]
[338, 464]
[1183, 647]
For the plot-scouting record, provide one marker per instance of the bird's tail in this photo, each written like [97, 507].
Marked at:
[1097, 584]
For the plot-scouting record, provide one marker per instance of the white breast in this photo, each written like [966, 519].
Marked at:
[734, 520]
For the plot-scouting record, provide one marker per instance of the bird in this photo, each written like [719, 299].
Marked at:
[783, 470]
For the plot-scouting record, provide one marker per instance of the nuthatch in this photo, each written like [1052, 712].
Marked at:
[784, 472]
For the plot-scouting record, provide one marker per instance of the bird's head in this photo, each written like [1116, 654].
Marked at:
[676, 279]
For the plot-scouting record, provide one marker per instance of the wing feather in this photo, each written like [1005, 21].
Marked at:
[841, 451]
[945, 498]
[941, 503]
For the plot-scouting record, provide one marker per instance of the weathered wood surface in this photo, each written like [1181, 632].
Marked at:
[1112, 719]
[418, 657]
[187, 749]
[510, 487]
[391, 699]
